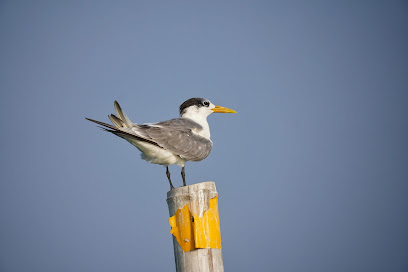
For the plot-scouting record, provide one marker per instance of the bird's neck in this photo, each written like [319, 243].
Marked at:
[202, 121]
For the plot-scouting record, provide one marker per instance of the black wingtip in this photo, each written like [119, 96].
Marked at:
[92, 120]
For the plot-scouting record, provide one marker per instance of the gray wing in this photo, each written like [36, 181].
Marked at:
[178, 136]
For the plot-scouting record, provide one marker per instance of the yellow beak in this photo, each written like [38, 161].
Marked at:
[223, 110]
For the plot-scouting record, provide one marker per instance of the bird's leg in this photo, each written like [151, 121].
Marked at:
[168, 176]
[183, 175]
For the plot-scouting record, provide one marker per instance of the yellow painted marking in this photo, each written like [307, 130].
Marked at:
[204, 232]
[182, 228]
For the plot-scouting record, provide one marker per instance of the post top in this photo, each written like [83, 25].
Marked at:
[193, 188]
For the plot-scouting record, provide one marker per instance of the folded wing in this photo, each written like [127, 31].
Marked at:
[178, 136]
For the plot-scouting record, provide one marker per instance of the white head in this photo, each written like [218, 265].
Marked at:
[200, 108]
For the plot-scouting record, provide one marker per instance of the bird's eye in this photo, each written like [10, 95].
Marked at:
[206, 103]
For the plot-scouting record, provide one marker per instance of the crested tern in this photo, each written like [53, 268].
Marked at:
[174, 141]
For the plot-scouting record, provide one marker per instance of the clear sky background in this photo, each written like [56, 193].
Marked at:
[312, 172]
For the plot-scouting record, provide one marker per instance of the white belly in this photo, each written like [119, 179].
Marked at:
[157, 155]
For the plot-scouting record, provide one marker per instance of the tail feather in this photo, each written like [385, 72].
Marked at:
[121, 132]
[116, 121]
[122, 116]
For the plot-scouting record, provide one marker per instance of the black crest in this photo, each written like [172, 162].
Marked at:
[196, 101]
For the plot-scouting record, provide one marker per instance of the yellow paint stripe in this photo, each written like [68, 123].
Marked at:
[200, 232]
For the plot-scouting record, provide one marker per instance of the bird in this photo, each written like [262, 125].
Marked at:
[174, 141]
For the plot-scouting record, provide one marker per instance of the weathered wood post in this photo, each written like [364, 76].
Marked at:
[196, 228]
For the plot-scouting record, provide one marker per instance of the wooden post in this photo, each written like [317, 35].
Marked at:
[199, 204]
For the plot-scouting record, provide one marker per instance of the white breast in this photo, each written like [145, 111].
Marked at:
[199, 115]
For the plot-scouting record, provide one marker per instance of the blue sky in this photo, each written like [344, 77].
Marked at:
[312, 172]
